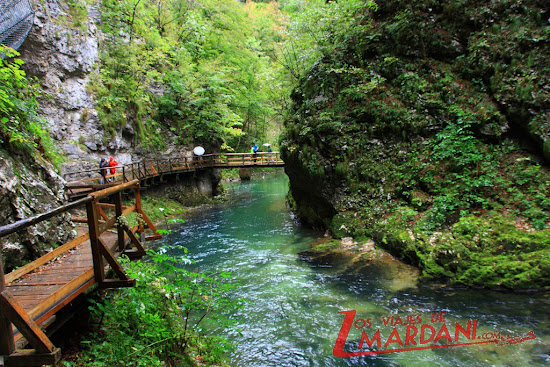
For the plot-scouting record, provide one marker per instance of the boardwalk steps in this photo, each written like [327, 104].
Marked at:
[31, 295]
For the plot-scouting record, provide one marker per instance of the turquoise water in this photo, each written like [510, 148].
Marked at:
[291, 317]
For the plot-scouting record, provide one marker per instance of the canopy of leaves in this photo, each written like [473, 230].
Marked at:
[198, 68]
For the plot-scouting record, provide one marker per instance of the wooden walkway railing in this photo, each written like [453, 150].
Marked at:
[31, 295]
[80, 183]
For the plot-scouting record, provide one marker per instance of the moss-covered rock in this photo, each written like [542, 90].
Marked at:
[421, 120]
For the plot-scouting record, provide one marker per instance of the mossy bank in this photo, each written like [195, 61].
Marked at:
[424, 126]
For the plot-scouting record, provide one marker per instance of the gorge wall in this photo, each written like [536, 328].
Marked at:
[63, 55]
[425, 126]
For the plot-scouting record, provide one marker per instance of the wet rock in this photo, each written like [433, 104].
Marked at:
[245, 174]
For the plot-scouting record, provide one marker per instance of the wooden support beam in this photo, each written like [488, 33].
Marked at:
[93, 230]
[134, 254]
[154, 237]
[102, 213]
[117, 268]
[135, 241]
[105, 226]
[118, 212]
[29, 357]
[137, 197]
[148, 221]
[118, 283]
[7, 344]
[24, 323]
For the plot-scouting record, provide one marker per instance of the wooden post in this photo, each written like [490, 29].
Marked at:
[7, 344]
[93, 230]
[118, 212]
[137, 196]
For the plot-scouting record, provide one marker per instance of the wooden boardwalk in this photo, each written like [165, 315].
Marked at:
[31, 295]
[81, 183]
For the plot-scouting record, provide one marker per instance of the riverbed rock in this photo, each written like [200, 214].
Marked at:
[245, 174]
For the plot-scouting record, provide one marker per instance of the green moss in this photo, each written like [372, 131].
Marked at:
[327, 246]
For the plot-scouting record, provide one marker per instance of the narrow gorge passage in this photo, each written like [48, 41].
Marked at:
[291, 315]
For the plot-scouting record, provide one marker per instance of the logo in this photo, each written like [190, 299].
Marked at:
[414, 332]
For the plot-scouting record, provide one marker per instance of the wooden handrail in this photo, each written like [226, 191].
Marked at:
[24, 223]
[113, 190]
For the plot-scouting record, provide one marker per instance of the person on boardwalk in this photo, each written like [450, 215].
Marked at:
[103, 170]
[270, 155]
[112, 163]
[253, 152]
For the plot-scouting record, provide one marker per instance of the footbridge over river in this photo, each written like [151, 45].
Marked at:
[81, 183]
[32, 295]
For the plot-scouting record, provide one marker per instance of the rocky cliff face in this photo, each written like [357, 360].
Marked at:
[425, 127]
[28, 189]
[63, 58]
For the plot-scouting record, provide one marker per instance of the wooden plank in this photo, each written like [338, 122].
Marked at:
[25, 324]
[17, 273]
[30, 357]
[72, 289]
[111, 190]
[47, 277]
[39, 289]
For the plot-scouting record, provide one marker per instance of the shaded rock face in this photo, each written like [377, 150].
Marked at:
[64, 59]
[367, 110]
[27, 190]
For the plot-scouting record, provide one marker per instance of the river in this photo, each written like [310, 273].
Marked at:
[292, 314]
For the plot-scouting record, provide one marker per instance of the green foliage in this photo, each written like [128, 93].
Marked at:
[160, 320]
[198, 70]
[423, 106]
[20, 125]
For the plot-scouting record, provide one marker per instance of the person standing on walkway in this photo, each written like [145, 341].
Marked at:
[112, 164]
[253, 152]
[270, 155]
[103, 164]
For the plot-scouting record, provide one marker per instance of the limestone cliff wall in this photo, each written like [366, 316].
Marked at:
[63, 59]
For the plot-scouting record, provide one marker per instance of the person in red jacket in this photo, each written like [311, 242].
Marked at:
[112, 164]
